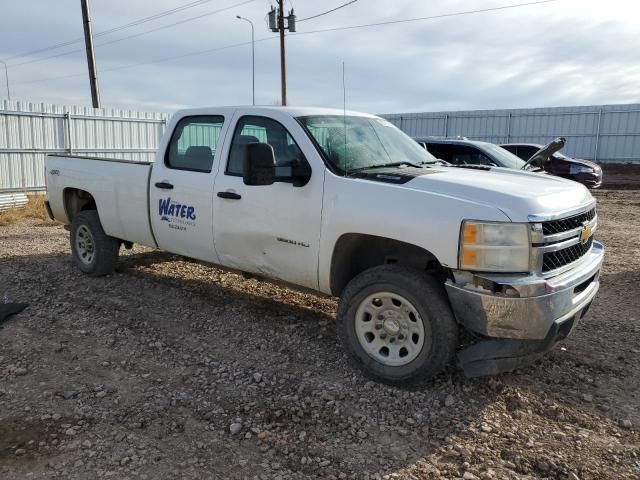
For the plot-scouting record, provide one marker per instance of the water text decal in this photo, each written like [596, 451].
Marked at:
[178, 215]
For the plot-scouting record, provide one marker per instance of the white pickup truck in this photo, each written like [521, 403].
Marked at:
[345, 204]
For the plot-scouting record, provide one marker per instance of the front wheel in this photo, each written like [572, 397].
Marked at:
[94, 252]
[396, 325]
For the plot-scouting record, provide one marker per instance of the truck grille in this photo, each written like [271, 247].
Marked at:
[560, 258]
[569, 223]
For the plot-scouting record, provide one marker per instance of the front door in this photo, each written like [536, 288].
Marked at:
[271, 230]
[181, 188]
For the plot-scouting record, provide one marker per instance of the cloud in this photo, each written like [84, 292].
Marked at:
[568, 52]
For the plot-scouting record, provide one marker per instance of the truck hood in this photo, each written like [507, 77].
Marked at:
[516, 193]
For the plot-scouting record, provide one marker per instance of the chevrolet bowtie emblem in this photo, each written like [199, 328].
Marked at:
[585, 234]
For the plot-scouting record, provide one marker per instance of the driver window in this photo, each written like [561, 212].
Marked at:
[264, 130]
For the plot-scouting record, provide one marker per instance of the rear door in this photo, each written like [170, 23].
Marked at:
[181, 187]
[272, 230]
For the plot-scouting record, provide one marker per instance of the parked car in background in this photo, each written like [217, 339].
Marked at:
[584, 171]
[462, 152]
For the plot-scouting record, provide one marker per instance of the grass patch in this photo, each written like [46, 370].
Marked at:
[34, 209]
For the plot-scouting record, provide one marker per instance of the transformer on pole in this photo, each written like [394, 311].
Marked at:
[277, 24]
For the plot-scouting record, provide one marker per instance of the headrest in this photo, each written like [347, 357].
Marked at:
[247, 139]
[199, 152]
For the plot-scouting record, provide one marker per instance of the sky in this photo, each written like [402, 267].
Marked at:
[561, 53]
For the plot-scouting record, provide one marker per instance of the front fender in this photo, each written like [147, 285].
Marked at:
[427, 220]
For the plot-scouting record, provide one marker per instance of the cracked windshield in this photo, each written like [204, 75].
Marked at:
[356, 143]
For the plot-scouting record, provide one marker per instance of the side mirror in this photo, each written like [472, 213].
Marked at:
[259, 164]
[300, 172]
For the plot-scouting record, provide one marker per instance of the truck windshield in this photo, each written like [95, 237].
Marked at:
[357, 143]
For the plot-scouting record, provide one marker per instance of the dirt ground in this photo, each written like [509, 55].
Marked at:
[621, 175]
[172, 369]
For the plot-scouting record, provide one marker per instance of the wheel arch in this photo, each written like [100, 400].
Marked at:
[76, 200]
[354, 253]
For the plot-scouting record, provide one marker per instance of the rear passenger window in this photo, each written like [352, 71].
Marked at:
[193, 144]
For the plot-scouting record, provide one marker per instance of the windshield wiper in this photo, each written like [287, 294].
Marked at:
[388, 165]
[472, 166]
[437, 162]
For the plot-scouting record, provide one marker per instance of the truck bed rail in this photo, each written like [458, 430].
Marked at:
[118, 160]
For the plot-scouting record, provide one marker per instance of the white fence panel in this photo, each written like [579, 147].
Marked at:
[605, 133]
[28, 131]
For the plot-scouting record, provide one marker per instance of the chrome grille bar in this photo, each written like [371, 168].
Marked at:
[557, 245]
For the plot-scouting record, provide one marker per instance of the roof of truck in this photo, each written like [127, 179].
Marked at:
[293, 111]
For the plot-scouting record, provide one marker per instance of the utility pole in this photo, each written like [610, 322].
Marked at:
[283, 62]
[277, 24]
[91, 60]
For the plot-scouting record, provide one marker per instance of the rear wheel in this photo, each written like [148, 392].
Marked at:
[396, 324]
[94, 252]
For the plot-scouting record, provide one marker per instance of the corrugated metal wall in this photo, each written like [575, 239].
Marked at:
[605, 133]
[29, 131]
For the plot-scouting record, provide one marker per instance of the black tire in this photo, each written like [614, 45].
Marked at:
[105, 248]
[427, 296]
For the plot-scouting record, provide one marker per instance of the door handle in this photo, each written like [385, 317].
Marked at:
[164, 185]
[230, 195]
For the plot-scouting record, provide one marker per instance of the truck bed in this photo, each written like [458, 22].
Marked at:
[119, 187]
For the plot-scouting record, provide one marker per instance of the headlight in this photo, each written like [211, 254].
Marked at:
[494, 247]
[574, 169]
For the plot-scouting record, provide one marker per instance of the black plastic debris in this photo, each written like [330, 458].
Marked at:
[497, 355]
[8, 309]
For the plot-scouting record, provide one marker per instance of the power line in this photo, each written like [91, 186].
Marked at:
[150, 62]
[146, 32]
[328, 11]
[432, 17]
[115, 29]
[154, 17]
[349, 27]
[190, 54]
[49, 57]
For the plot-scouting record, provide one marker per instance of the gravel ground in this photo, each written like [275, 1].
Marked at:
[172, 369]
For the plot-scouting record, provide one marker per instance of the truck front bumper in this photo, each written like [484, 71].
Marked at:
[524, 316]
